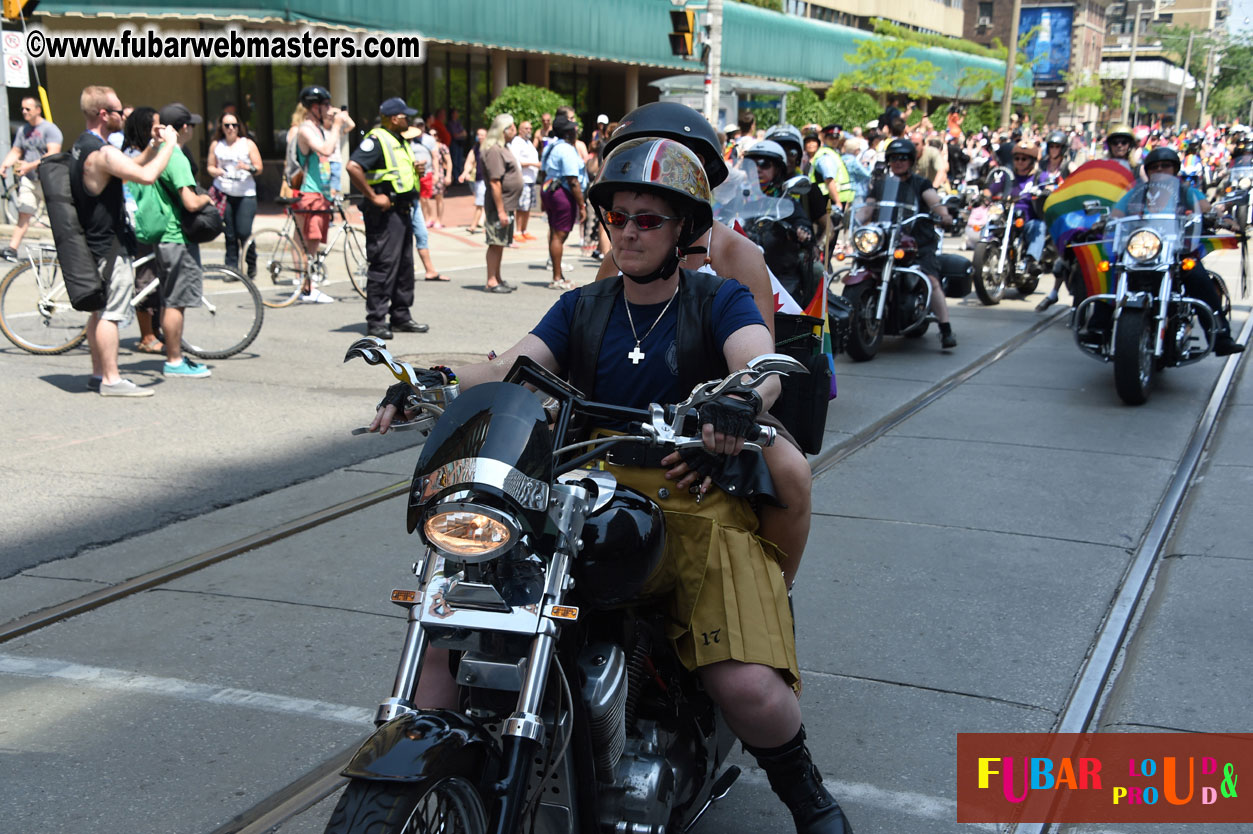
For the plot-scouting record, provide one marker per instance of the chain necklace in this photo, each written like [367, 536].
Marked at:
[636, 355]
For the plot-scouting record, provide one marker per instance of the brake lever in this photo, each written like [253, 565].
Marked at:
[374, 351]
[760, 368]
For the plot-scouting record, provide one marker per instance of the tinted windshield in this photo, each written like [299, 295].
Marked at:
[1157, 205]
[740, 197]
[887, 203]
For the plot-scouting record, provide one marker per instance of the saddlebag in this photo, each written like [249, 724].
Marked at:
[802, 404]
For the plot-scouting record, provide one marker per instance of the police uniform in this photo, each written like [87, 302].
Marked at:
[388, 165]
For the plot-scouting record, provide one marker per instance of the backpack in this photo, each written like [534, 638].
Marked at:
[83, 283]
[199, 226]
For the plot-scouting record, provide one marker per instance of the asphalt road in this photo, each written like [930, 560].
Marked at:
[958, 567]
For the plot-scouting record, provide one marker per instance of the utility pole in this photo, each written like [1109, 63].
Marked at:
[1131, 67]
[1209, 77]
[1183, 85]
[1011, 73]
[713, 65]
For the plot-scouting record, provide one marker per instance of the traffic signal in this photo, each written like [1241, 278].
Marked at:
[683, 37]
[13, 9]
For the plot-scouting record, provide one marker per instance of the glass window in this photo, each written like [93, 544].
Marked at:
[458, 84]
[480, 91]
[437, 74]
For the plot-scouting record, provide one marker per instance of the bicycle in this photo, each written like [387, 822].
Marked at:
[35, 311]
[36, 316]
[229, 315]
[281, 255]
[8, 198]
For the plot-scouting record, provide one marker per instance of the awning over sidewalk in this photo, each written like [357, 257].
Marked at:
[756, 42]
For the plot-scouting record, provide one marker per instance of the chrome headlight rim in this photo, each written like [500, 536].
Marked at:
[1144, 245]
[868, 239]
[471, 552]
[1245, 183]
[996, 211]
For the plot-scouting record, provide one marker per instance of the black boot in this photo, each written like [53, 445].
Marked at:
[1224, 345]
[796, 780]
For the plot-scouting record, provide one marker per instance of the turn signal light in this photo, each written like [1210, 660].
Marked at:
[1189, 264]
[1018, 223]
[840, 256]
[899, 254]
[977, 227]
[1103, 266]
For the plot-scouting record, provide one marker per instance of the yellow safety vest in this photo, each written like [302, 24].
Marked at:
[843, 182]
[397, 167]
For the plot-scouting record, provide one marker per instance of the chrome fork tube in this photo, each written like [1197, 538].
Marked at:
[887, 278]
[1159, 340]
[411, 654]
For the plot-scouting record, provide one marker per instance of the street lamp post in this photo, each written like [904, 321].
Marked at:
[1131, 63]
[1011, 60]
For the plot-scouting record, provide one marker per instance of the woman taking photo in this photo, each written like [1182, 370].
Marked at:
[234, 162]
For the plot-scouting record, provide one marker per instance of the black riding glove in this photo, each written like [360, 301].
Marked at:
[730, 416]
[700, 460]
[400, 395]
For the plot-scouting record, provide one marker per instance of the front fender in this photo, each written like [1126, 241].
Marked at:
[415, 747]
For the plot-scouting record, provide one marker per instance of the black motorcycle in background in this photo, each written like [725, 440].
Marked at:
[574, 715]
[999, 258]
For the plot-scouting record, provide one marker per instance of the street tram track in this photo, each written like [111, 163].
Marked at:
[1081, 702]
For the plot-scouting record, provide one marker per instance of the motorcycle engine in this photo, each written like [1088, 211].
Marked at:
[602, 667]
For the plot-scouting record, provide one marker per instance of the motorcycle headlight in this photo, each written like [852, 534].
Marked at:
[996, 211]
[1245, 183]
[470, 534]
[1144, 245]
[867, 240]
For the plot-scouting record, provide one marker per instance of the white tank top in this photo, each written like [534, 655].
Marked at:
[237, 181]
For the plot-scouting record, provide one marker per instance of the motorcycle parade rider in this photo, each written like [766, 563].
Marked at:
[901, 155]
[789, 244]
[1163, 162]
[1055, 169]
[732, 255]
[654, 200]
[1026, 179]
[1119, 144]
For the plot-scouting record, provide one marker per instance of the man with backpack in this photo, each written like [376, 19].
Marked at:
[159, 212]
[97, 170]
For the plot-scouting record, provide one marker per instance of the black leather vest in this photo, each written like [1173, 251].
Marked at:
[700, 359]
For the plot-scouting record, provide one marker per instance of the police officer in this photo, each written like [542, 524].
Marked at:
[382, 168]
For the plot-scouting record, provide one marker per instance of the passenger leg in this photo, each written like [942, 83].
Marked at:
[788, 527]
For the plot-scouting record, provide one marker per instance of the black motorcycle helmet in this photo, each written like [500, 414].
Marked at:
[314, 94]
[901, 146]
[671, 120]
[790, 139]
[1057, 137]
[1163, 155]
[668, 169]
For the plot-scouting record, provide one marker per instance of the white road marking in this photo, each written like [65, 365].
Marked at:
[121, 680]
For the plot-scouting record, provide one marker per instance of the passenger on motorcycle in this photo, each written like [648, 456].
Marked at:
[1025, 185]
[789, 138]
[788, 244]
[621, 339]
[1164, 163]
[733, 255]
[1119, 144]
[901, 155]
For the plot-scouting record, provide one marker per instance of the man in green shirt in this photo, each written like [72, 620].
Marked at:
[159, 224]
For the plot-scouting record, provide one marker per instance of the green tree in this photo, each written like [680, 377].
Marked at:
[885, 68]
[1233, 89]
[804, 107]
[1174, 44]
[524, 102]
[850, 108]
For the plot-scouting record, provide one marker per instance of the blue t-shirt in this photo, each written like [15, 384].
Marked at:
[656, 378]
[562, 160]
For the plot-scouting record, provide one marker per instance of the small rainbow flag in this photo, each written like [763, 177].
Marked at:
[1089, 257]
[818, 309]
[1214, 244]
[1102, 180]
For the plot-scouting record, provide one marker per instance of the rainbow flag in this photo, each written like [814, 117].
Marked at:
[1089, 257]
[1214, 244]
[1102, 180]
[818, 309]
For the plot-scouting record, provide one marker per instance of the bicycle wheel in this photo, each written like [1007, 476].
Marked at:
[354, 258]
[9, 200]
[35, 311]
[280, 267]
[228, 318]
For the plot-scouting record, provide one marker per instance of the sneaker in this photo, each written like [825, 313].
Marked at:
[124, 388]
[93, 383]
[948, 340]
[315, 296]
[9, 254]
[187, 369]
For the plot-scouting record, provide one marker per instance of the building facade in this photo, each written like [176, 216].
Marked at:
[941, 17]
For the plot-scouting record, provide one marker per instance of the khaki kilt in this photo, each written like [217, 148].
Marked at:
[722, 585]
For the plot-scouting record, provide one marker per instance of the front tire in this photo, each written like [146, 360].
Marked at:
[866, 334]
[354, 258]
[35, 310]
[280, 267]
[228, 317]
[451, 805]
[988, 274]
[1133, 356]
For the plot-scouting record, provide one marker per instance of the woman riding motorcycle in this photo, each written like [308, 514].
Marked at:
[1026, 178]
[732, 255]
[653, 198]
